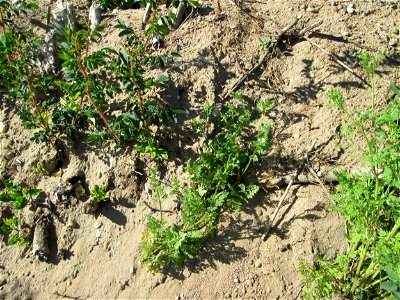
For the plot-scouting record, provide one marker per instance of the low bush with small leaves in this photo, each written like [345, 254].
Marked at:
[216, 180]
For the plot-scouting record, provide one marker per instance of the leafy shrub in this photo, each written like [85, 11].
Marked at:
[215, 181]
[81, 97]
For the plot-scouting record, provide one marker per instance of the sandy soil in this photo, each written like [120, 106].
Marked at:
[98, 255]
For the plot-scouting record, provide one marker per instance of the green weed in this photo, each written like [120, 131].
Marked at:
[369, 203]
[215, 181]
[99, 194]
[20, 197]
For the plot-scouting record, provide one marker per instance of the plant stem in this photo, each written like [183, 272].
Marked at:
[377, 281]
[93, 103]
[371, 268]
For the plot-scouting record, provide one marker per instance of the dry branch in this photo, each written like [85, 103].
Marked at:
[312, 178]
[335, 59]
[288, 188]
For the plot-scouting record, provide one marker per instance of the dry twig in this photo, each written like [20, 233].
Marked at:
[335, 59]
[288, 188]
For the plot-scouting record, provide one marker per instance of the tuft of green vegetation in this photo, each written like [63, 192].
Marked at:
[100, 194]
[215, 182]
[368, 202]
[20, 197]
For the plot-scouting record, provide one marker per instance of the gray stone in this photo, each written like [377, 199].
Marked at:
[94, 15]
[393, 42]
[3, 127]
[350, 9]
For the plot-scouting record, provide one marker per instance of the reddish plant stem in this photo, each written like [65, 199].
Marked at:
[93, 103]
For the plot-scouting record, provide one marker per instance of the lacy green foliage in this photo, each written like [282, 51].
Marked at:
[215, 182]
[369, 203]
[20, 197]
[100, 194]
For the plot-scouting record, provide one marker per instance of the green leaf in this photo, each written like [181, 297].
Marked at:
[389, 286]
[14, 239]
[32, 192]
[7, 197]
[20, 202]
[161, 79]
[395, 89]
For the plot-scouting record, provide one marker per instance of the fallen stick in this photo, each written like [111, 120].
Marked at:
[304, 178]
[264, 236]
[263, 58]
[157, 209]
[335, 59]
[312, 178]
[320, 181]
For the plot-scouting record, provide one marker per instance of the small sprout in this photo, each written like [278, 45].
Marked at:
[337, 99]
[16, 194]
[265, 43]
[13, 225]
[39, 168]
[100, 194]
[263, 106]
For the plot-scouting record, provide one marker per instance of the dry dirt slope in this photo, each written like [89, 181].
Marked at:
[100, 256]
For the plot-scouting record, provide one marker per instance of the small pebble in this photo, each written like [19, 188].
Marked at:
[312, 9]
[286, 247]
[3, 280]
[345, 34]
[236, 280]
[72, 223]
[393, 42]
[97, 225]
[257, 264]
[3, 127]
[350, 9]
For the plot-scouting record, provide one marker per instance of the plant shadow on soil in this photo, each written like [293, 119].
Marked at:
[223, 248]
[244, 225]
[281, 227]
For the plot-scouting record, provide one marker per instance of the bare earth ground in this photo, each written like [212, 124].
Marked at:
[98, 256]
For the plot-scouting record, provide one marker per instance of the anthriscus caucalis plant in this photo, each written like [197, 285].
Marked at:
[369, 203]
[215, 180]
